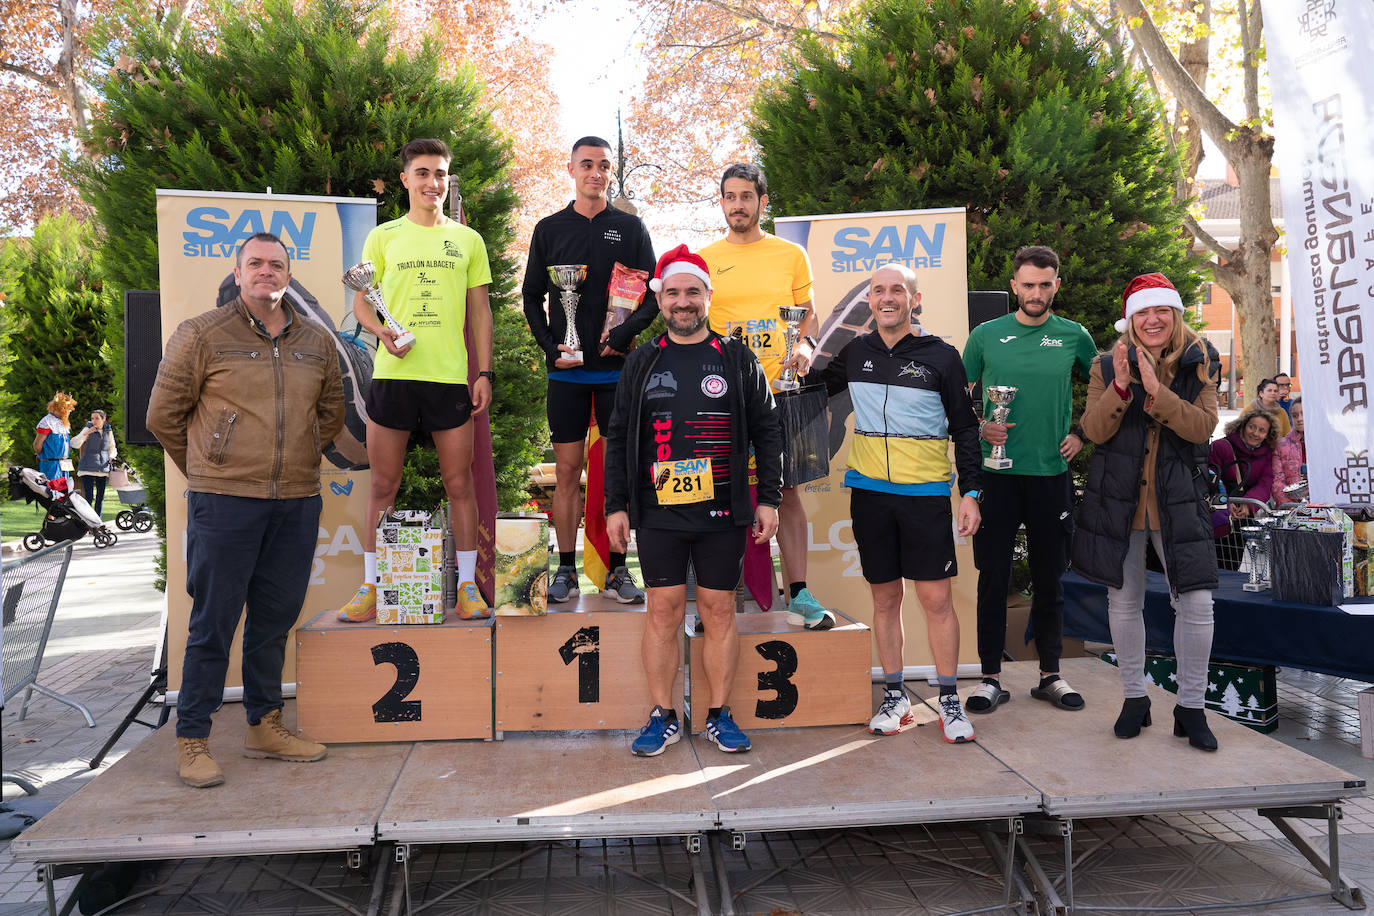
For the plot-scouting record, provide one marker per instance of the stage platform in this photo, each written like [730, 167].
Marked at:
[1030, 761]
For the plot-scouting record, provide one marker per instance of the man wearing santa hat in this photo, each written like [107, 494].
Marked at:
[689, 405]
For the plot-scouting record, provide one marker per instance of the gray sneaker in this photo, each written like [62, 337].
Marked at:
[621, 587]
[563, 585]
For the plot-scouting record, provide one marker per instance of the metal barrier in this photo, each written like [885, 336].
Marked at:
[31, 588]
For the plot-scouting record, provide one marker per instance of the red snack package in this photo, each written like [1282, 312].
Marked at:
[623, 294]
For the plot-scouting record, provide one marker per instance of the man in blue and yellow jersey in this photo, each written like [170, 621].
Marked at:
[910, 399]
[434, 275]
[753, 274]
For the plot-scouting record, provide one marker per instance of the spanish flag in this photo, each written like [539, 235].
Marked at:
[596, 546]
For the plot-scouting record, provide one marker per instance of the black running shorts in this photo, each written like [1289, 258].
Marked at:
[903, 537]
[426, 406]
[716, 556]
[569, 406]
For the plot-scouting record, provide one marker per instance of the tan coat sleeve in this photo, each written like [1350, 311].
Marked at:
[176, 391]
[1104, 408]
[1195, 420]
[329, 413]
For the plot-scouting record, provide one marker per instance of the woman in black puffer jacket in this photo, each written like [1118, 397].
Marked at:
[1152, 406]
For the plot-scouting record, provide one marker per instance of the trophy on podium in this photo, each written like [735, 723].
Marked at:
[568, 277]
[363, 278]
[792, 316]
[1000, 396]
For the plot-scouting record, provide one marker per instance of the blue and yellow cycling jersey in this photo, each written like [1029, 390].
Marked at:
[909, 401]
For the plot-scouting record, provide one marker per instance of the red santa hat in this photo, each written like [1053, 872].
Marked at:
[1144, 291]
[680, 260]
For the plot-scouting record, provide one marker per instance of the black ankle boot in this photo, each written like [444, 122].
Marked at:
[1135, 713]
[1192, 724]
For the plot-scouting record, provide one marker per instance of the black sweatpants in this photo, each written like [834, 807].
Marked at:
[1045, 506]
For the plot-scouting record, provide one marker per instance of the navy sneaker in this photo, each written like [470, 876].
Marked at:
[655, 737]
[726, 734]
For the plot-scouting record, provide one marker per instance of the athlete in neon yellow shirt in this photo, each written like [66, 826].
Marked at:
[434, 275]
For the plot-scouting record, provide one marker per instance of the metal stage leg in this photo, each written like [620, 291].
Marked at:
[61, 698]
[1006, 858]
[1328, 865]
[693, 846]
[1051, 827]
[158, 684]
[28, 787]
[727, 899]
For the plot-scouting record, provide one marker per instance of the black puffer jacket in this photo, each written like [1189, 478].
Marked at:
[1118, 480]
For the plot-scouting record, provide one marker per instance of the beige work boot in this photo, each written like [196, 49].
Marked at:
[270, 738]
[194, 765]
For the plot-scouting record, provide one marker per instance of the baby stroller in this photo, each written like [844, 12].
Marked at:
[131, 493]
[69, 516]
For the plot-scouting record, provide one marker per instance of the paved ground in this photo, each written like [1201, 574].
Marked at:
[102, 651]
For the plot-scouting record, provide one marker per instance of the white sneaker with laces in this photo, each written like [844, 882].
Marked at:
[893, 714]
[955, 726]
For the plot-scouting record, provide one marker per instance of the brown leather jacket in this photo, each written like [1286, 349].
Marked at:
[241, 414]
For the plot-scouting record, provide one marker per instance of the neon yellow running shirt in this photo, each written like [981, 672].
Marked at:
[425, 273]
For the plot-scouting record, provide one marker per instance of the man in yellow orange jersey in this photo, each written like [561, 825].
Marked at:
[753, 274]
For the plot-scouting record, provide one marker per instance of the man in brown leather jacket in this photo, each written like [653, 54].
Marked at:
[246, 397]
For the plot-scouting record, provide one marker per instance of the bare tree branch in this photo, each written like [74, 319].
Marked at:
[750, 12]
[25, 72]
[1207, 239]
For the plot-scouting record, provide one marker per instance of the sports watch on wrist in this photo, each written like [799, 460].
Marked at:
[976, 494]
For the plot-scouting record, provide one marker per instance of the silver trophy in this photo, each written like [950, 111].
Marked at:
[792, 316]
[1256, 540]
[568, 277]
[1000, 396]
[363, 278]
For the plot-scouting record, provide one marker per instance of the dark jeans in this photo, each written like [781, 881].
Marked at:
[93, 488]
[1045, 506]
[242, 551]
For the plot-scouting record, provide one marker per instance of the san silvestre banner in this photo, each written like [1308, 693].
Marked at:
[844, 250]
[1324, 128]
[198, 235]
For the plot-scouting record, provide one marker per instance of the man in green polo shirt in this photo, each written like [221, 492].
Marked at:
[1036, 352]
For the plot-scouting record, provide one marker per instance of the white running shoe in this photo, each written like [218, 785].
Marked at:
[955, 726]
[893, 714]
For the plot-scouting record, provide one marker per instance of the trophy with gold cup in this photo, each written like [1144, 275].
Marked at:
[1000, 397]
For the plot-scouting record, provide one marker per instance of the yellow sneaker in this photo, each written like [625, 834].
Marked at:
[271, 738]
[361, 607]
[471, 605]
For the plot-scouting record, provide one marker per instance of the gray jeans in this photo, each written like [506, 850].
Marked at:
[1192, 628]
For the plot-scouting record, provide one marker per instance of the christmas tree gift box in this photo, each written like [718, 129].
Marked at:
[410, 573]
[522, 565]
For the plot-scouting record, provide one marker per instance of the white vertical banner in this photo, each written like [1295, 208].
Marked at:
[1323, 94]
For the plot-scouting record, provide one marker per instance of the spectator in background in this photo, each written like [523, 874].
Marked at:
[52, 441]
[1290, 464]
[1246, 466]
[1285, 383]
[96, 446]
[1268, 401]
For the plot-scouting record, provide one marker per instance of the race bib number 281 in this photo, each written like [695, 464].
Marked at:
[679, 483]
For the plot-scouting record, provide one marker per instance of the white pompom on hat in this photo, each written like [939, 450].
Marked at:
[1144, 291]
[680, 260]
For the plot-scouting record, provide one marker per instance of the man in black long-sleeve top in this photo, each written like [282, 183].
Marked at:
[587, 232]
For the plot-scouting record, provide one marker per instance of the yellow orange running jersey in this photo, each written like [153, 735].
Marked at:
[749, 284]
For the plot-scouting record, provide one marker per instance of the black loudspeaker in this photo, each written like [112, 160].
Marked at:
[142, 354]
[985, 305]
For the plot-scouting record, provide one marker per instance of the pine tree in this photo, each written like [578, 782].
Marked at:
[53, 321]
[314, 101]
[1040, 131]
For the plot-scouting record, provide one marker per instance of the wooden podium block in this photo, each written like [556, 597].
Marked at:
[788, 676]
[363, 682]
[573, 670]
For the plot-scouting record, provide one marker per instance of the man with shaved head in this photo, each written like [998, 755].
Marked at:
[910, 399]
